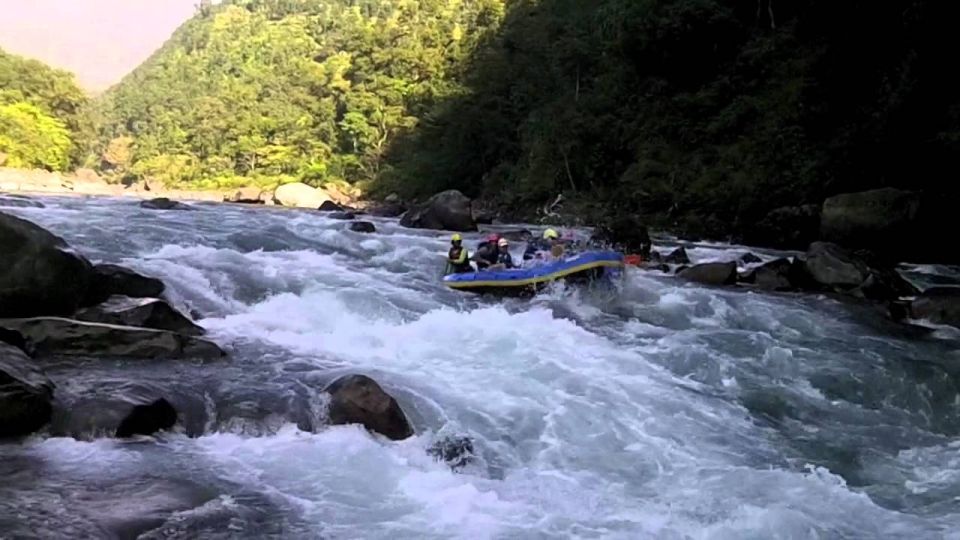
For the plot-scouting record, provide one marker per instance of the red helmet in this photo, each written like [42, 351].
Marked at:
[493, 238]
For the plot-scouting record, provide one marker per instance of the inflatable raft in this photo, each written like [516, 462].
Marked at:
[582, 268]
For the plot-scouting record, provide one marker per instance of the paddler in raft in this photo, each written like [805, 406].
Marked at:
[458, 260]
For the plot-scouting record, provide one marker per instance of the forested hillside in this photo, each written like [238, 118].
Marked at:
[701, 115]
[43, 118]
[266, 91]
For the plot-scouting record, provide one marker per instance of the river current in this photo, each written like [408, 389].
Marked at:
[659, 410]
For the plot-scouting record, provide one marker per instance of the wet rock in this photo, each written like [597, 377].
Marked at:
[677, 256]
[26, 394]
[388, 210]
[835, 267]
[750, 258]
[363, 227]
[57, 336]
[163, 203]
[300, 195]
[138, 506]
[330, 206]
[777, 275]
[448, 210]
[39, 275]
[146, 313]
[111, 279]
[358, 399]
[625, 233]
[885, 284]
[346, 216]
[457, 452]
[789, 227]
[711, 273]
[881, 220]
[245, 195]
[148, 419]
[940, 305]
[662, 267]
[19, 201]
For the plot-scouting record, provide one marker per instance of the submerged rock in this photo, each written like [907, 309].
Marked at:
[57, 336]
[457, 452]
[146, 313]
[677, 256]
[341, 215]
[38, 274]
[750, 258]
[711, 273]
[449, 210]
[163, 203]
[363, 227]
[111, 279]
[26, 394]
[940, 305]
[358, 399]
[147, 419]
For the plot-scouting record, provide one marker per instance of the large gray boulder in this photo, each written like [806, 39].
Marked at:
[111, 279]
[448, 210]
[717, 273]
[881, 220]
[940, 305]
[112, 407]
[143, 312]
[26, 394]
[49, 336]
[300, 195]
[39, 275]
[833, 267]
[358, 399]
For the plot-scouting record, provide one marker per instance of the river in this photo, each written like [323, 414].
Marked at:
[662, 410]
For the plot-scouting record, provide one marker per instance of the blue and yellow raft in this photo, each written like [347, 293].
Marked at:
[583, 268]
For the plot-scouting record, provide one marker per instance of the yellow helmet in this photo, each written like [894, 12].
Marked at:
[456, 238]
[550, 233]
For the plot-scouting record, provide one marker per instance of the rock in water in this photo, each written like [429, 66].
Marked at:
[341, 215]
[711, 273]
[358, 399]
[163, 203]
[300, 195]
[146, 313]
[750, 258]
[26, 394]
[363, 227]
[148, 419]
[881, 220]
[38, 273]
[940, 305]
[245, 195]
[448, 210]
[56, 336]
[388, 209]
[330, 206]
[677, 256]
[833, 266]
[777, 275]
[110, 280]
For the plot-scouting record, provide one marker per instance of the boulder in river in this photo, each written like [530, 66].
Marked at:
[677, 256]
[776, 275]
[345, 216]
[836, 268]
[300, 195]
[750, 258]
[387, 209]
[245, 195]
[143, 312]
[940, 305]
[789, 227]
[717, 273]
[26, 393]
[358, 399]
[111, 279]
[448, 210]
[39, 275]
[363, 227]
[57, 336]
[111, 407]
[163, 203]
[330, 206]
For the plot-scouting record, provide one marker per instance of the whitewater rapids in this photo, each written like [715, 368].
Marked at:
[667, 410]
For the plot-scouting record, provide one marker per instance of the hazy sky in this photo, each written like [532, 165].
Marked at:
[99, 40]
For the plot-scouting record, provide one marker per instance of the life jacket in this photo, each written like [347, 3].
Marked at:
[459, 259]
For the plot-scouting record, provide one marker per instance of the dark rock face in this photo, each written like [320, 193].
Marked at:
[358, 399]
[836, 268]
[26, 394]
[147, 313]
[750, 258]
[110, 279]
[363, 227]
[677, 256]
[711, 273]
[789, 227]
[387, 209]
[447, 210]
[940, 305]
[880, 220]
[330, 206]
[163, 203]
[38, 274]
[148, 419]
[778, 275]
[57, 336]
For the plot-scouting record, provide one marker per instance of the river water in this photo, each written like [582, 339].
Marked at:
[661, 410]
